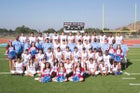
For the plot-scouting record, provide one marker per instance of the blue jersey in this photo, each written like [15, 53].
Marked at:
[18, 46]
[124, 48]
[12, 54]
[95, 45]
[26, 46]
[105, 47]
[45, 46]
[38, 45]
[71, 46]
[115, 46]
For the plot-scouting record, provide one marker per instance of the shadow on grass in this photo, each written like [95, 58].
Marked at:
[126, 65]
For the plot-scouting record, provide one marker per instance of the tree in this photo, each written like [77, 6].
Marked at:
[60, 30]
[3, 30]
[106, 29]
[50, 30]
[91, 30]
[24, 29]
[125, 29]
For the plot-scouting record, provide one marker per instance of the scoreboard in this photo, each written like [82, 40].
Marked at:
[74, 26]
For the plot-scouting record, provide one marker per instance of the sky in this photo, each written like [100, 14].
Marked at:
[44, 14]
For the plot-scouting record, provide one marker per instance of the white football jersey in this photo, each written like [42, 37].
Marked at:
[55, 46]
[63, 37]
[58, 55]
[114, 68]
[76, 55]
[84, 55]
[118, 39]
[31, 67]
[102, 39]
[39, 56]
[32, 39]
[80, 47]
[110, 39]
[93, 37]
[67, 54]
[106, 59]
[49, 56]
[87, 38]
[103, 68]
[22, 39]
[90, 55]
[68, 67]
[41, 39]
[92, 66]
[18, 66]
[70, 38]
[26, 57]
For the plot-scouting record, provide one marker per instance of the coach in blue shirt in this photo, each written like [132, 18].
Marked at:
[38, 44]
[72, 45]
[124, 48]
[105, 46]
[18, 46]
[95, 44]
[46, 45]
[27, 45]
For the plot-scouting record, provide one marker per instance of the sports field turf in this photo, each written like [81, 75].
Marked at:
[99, 84]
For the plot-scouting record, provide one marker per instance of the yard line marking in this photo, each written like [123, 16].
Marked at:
[2, 73]
[134, 84]
[3, 59]
[134, 73]
[134, 59]
[126, 73]
[132, 78]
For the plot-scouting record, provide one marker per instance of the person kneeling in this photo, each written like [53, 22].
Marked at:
[61, 73]
[103, 68]
[115, 69]
[30, 68]
[78, 73]
[92, 67]
[46, 74]
[18, 67]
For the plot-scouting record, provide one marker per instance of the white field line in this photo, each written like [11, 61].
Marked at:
[131, 78]
[2, 58]
[126, 73]
[134, 59]
[3, 53]
[134, 73]
[134, 84]
[2, 73]
[133, 54]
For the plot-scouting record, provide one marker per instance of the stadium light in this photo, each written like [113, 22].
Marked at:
[135, 17]
[103, 17]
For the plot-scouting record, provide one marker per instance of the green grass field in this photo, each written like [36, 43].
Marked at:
[99, 84]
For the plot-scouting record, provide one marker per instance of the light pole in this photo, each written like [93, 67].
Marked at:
[135, 18]
[103, 17]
